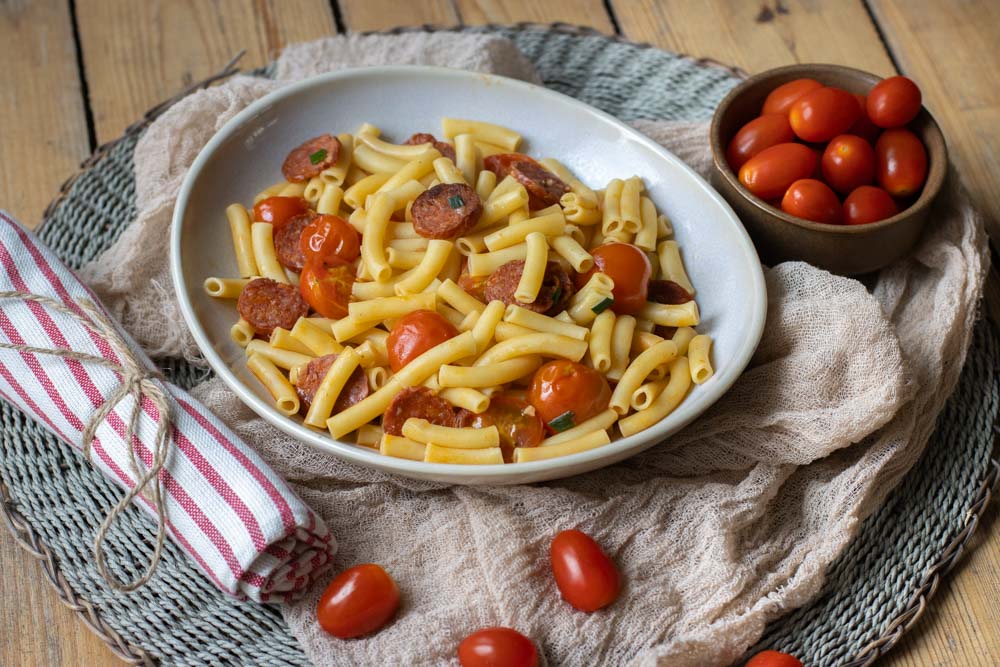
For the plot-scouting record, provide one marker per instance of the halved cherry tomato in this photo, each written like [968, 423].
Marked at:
[900, 162]
[586, 577]
[358, 601]
[760, 133]
[515, 418]
[497, 647]
[868, 204]
[330, 240]
[279, 210]
[864, 127]
[848, 163]
[773, 659]
[812, 200]
[769, 173]
[414, 334]
[568, 393]
[822, 114]
[327, 288]
[893, 102]
[629, 268]
[781, 98]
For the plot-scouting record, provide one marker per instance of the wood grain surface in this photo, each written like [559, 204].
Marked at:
[71, 83]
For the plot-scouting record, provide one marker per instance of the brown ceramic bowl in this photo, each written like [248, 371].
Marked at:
[843, 249]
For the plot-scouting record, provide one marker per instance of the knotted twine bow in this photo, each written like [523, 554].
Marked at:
[137, 381]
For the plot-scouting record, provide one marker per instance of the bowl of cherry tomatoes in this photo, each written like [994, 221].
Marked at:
[828, 164]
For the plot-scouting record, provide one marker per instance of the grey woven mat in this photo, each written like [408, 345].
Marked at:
[53, 501]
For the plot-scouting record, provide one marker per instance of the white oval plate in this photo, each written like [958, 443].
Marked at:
[245, 156]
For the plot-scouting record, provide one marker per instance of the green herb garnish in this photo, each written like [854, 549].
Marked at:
[603, 305]
[456, 201]
[563, 422]
[318, 156]
[557, 294]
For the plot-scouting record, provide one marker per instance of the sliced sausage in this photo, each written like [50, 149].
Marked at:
[473, 285]
[287, 242]
[544, 188]
[444, 148]
[668, 292]
[311, 158]
[418, 402]
[267, 304]
[311, 377]
[446, 211]
[554, 294]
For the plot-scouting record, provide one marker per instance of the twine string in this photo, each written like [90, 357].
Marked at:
[139, 383]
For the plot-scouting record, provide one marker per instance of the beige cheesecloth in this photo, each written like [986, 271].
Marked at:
[718, 531]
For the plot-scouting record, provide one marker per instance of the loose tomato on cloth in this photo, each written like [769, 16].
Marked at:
[810, 199]
[629, 268]
[279, 210]
[760, 133]
[781, 98]
[900, 162]
[848, 163]
[359, 601]
[769, 173]
[515, 418]
[586, 577]
[773, 659]
[565, 393]
[330, 240]
[414, 334]
[497, 647]
[327, 288]
[893, 102]
[822, 114]
[868, 204]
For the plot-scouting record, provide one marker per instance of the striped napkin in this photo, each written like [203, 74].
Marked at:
[233, 515]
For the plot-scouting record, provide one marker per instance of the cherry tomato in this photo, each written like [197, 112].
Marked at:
[812, 200]
[769, 173]
[864, 127]
[279, 210]
[629, 268]
[848, 162]
[760, 133]
[781, 98]
[327, 288]
[518, 423]
[569, 392]
[358, 601]
[773, 659]
[868, 204]
[822, 114]
[900, 162]
[330, 240]
[497, 647]
[414, 334]
[893, 102]
[586, 577]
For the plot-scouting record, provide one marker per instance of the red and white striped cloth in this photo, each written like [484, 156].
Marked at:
[233, 515]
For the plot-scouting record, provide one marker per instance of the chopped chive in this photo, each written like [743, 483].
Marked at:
[603, 305]
[557, 294]
[563, 422]
[318, 156]
[456, 201]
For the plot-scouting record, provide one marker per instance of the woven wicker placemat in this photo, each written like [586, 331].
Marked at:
[53, 501]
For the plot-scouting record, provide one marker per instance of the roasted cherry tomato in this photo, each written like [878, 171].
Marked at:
[565, 393]
[497, 647]
[822, 114]
[414, 334]
[864, 127]
[769, 173]
[327, 288]
[330, 240]
[900, 162]
[893, 102]
[629, 268]
[781, 98]
[358, 601]
[586, 577]
[773, 659]
[279, 210]
[868, 204]
[760, 133]
[515, 418]
[810, 199]
[848, 163]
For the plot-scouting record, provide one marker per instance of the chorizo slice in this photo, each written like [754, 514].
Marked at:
[446, 211]
[554, 294]
[444, 148]
[544, 188]
[310, 158]
[267, 304]
[287, 242]
[311, 377]
[418, 402]
[668, 292]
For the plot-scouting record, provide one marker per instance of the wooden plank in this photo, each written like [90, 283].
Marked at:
[136, 54]
[361, 15]
[588, 13]
[44, 127]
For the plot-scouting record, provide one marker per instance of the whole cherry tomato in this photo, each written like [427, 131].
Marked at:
[812, 200]
[848, 162]
[822, 114]
[565, 393]
[279, 210]
[773, 659]
[760, 133]
[781, 98]
[497, 647]
[414, 334]
[893, 102]
[864, 127]
[900, 162]
[358, 601]
[868, 204]
[327, 288]
[769, 173]
[586, 577]
[629, 268]
[330, 240]
[518, 423]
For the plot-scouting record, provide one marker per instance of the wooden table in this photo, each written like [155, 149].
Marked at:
[76, 72]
